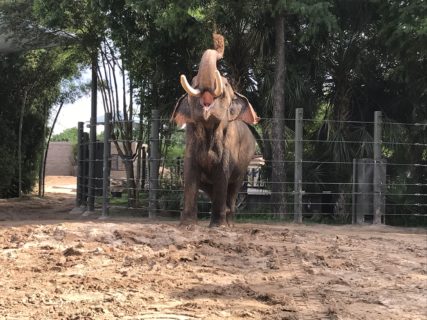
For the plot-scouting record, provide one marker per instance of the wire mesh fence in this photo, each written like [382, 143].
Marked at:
[336, 171]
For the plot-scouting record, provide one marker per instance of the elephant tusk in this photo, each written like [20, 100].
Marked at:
[218, 84]
[189, 89]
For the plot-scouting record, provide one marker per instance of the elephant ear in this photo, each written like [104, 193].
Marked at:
[241, 109]
[182, 112]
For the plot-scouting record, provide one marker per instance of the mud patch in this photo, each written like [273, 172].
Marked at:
[140, 270]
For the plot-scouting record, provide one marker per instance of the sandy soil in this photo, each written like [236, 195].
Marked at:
[55, 265]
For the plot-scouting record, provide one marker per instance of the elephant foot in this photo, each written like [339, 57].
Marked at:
[230, 218]
[218, 224]
[188, 218]
[187, 222]
[221, 222]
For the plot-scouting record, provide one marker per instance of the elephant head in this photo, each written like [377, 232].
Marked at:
[210, 100]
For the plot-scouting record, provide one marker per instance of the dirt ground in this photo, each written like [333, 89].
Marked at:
[56, 265]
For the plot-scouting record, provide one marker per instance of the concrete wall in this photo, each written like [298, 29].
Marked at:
[59, 159]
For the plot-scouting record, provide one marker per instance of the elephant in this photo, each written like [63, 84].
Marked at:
[219, 144]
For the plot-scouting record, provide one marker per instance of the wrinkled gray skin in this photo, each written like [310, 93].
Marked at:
[219, 147]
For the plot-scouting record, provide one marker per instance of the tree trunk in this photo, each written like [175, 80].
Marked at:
[131, 185]
[21, 122]
[140, 175]
[46, 150]
[42, 156]
[278, 124]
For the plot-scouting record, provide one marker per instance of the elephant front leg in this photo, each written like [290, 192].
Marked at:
[219, 203]
[191, 188]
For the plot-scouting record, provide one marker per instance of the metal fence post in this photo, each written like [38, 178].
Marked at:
[106, 166]
[79, 191]
[154, 163]
[353, 193]
[91, 170]
[298, 166]
[85, 169]
[377, 187]
[143, 168]
[92, 134]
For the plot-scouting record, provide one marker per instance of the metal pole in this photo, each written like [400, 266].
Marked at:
[154, 163]
[298, 166]
[85, 167]
[353, 194]
[92, 139]
[79, 193]
[144, 168]
[106, 166]
[377, 168]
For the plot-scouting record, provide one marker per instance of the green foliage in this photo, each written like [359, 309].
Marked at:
[176, 145]
[69, 135]
[38, 75]
[84, 19]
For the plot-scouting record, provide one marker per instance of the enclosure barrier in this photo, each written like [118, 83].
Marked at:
[154, 163]
[298, 166]
[343, 171]
[106, 165]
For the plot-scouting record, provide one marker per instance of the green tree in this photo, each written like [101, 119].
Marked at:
[30, 80]
[69, 135]
[36, 76]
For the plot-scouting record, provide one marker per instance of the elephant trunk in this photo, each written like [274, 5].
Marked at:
[208, 77]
